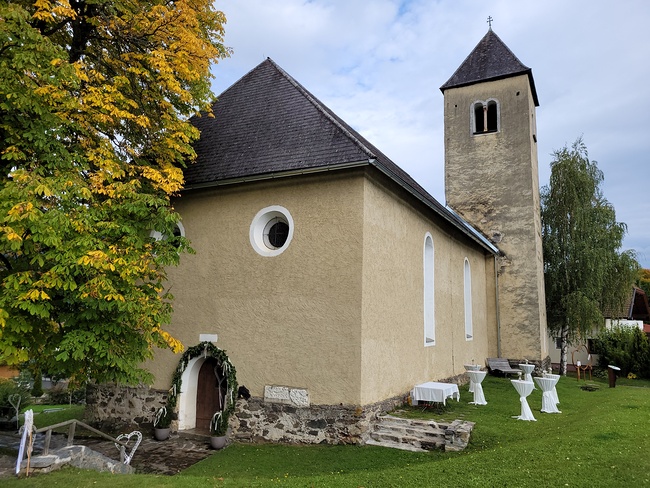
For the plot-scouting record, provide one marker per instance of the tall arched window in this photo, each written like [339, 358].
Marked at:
[469, 328]
[485, 116]
[429, 310]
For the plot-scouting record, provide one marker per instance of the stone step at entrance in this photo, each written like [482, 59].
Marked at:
[419, 435]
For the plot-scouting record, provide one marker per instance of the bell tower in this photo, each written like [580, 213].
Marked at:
[492, 181]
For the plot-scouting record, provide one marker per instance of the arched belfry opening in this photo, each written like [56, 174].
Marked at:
[486, 117]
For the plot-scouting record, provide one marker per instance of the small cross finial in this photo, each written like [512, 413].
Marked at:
[489, 21]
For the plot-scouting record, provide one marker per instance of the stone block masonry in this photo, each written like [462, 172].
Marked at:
[114, 407]
[272, 419]
[262, 421]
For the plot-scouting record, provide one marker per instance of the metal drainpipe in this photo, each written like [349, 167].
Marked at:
[496, 294]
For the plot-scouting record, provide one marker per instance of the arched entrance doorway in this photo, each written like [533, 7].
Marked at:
[210, 392]
[204, 383]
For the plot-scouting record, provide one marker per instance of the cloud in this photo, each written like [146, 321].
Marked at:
[379, 66]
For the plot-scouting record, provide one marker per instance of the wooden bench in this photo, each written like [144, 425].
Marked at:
[501, 365]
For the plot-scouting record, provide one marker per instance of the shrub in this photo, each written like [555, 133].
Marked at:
[60, 394]
[37, 389]
[625, 347]
[8, 388]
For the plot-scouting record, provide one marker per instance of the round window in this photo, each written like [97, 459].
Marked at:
[276, 233]
[271, 230]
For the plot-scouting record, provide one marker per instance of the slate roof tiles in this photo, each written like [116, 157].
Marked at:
[490, 60]
[267, 124]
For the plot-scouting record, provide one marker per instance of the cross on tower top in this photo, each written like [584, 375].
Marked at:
[489, 21]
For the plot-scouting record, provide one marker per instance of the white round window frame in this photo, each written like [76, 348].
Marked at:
[158, 235]
[259, 224]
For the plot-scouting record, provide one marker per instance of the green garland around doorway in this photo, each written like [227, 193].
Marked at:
[205, 349]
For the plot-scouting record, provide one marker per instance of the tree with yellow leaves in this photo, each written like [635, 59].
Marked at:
[95, 97]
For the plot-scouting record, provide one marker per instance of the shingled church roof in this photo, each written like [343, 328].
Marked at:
[267, 125]
[490, 60]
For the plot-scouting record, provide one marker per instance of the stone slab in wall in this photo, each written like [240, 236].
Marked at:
[298, 397]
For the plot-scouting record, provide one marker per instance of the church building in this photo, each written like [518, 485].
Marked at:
[335, 282]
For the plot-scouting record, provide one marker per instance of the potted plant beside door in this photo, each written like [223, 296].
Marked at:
[161, 423]
[219, 429]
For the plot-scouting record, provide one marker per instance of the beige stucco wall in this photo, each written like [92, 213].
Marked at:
[340, 311]
[394, 357]
[292, 319]
[492, 180]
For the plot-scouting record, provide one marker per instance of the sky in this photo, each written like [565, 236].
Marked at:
[379, 64]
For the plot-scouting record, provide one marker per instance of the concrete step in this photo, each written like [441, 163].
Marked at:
[418, 431]
[394, 445]
[198, 435]
[389, 431]
[428, 442]
[399, 421]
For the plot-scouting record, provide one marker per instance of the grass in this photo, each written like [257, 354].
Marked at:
[601, 438]
[45, 415]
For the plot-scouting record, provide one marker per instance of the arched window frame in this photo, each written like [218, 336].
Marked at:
[429, 315]
[467, 294]
[485, 116]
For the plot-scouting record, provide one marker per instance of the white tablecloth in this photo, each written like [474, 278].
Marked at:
[433, 391]
[476, 378]
[528, 370]
[547, 384]
[554, 390]
[471, 367]
[524, 388]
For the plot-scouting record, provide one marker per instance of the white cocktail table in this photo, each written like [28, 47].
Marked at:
[546, 384]
[524, 388]
[471, 367]
[476, 378]
[528, 372]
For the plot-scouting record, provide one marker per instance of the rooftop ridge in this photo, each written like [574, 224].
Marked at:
[323, 109]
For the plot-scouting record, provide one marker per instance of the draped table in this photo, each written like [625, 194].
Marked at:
[524, 388]
[471, 367]
[547, 384]
[476, 378]
[528, 370]
[434, 391]
[556, 377]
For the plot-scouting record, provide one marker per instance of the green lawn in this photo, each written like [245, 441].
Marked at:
[601, 438]
[45, 415]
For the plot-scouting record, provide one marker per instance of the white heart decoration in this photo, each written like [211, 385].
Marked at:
[127, 438]
[15, 400]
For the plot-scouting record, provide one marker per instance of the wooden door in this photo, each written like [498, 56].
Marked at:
[208, 397]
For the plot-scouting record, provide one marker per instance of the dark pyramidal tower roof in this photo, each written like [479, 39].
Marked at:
[490, 60]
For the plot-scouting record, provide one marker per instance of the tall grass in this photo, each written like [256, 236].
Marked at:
[601, 439]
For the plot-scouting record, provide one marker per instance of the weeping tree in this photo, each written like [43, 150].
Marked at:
[585, 270]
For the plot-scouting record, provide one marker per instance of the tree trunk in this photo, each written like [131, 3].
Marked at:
[564, 332]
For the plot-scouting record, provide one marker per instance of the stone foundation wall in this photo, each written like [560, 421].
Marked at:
[113, 407]
[257, 420]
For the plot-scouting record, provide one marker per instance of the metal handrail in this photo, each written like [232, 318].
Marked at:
[71, 431]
